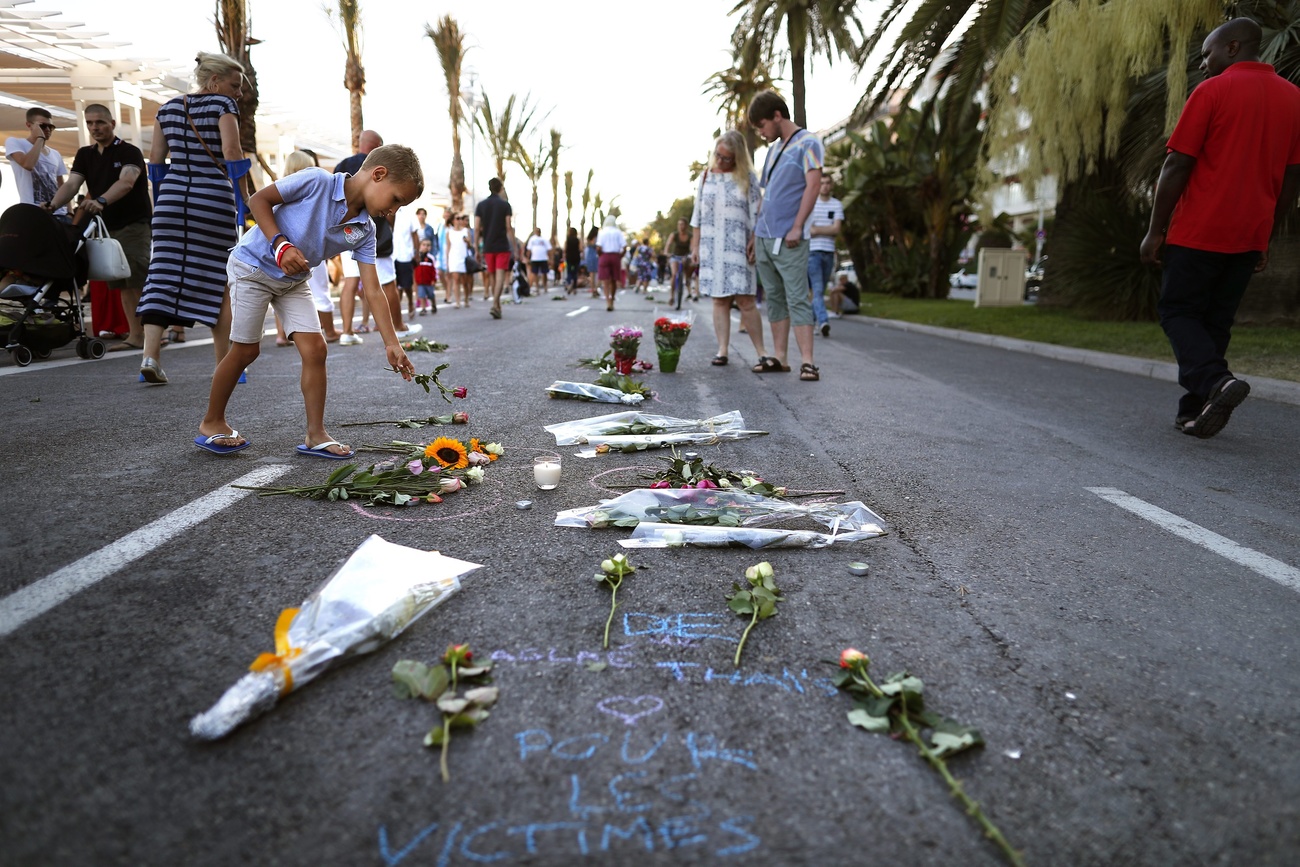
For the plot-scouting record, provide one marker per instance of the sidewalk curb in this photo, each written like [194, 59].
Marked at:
[1277, 390]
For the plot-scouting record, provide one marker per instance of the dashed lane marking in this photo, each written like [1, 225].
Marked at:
[1274, 570]
[35, 599]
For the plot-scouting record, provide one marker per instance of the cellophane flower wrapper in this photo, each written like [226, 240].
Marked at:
[371, 599]
[576, 432]
[677, 536]
[643, 442]
[673, 505]
[591, 391]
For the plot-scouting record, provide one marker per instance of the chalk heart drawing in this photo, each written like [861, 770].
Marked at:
[631, 710]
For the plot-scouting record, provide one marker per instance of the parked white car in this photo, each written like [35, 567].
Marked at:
[963, 279]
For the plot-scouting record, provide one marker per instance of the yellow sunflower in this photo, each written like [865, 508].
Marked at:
[448, 452]
[476, 446]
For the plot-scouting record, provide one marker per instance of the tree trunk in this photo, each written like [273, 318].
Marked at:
[456, 183]
[534, 226]
[358, 124]
[555, 208]
[796, 75]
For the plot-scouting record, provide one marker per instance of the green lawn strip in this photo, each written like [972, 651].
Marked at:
[1270, 352]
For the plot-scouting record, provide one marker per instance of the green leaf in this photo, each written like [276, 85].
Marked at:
[340, 474]
[862, 719]
[597, 666]
[741, 604]
[434, 737]
[766, 609]
[474, 671]
[945, 744]
[411, 678]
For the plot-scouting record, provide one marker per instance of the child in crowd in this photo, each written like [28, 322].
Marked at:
[426, 279]
[302, 219]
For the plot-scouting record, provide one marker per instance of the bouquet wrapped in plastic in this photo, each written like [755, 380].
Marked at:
[672, 328]
[719, 508]
[637, 431]
[561, 390]
[625, 340]
[677, 536]
[381, 590]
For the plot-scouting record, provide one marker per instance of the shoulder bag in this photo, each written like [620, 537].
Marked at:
[105, 256]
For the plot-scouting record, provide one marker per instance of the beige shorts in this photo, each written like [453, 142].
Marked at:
[251, 291]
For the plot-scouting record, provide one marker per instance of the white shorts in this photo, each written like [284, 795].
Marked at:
[319, 284]
[250, 293]
[387, 270]
[349, 264]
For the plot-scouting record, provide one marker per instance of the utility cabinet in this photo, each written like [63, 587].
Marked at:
[1001, 278]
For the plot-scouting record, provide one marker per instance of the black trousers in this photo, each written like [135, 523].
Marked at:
[1199, 295]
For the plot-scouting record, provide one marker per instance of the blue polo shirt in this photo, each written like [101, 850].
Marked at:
[312, 218]
[783, 181]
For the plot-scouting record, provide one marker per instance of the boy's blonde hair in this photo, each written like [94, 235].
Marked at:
[402, 164]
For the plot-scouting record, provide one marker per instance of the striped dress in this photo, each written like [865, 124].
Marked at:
[193, 219]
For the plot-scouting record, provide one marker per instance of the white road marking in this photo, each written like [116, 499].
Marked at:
[35, 599]
[37, 366]
[572, 313]
[1274, 570]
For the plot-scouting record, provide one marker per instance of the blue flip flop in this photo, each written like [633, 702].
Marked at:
[321, 450]
[208, 444]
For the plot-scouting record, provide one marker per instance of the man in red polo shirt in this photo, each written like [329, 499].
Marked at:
[1233, 170]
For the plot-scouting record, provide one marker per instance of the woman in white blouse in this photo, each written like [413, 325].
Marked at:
[726, 205]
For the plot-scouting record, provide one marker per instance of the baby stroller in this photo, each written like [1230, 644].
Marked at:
[40, 299]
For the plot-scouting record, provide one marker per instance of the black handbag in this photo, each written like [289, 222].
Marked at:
[473, 265]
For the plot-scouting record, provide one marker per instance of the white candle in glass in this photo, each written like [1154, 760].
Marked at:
[546, 472]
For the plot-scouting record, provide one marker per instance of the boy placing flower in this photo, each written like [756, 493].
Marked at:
[302, 220]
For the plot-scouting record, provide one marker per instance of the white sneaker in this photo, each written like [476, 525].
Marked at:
[350, 340]
[411, 330]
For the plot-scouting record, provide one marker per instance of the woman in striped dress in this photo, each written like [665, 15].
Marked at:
[194, 212]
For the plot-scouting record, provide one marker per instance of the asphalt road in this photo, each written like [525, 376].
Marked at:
[1136, 688]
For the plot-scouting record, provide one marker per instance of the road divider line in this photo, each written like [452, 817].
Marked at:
[40, 596]
[1274, 570]
[572, 313]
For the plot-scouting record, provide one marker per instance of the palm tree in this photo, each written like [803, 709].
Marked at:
[826, 27]
[927, 35]
[534, 168]
[568, 200]
[586, 200]
[450, 45]
[505, 131]
[233, 22]
[553, 156]
[735, 88]
[354, 75]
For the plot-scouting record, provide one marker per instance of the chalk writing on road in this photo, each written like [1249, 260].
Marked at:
[649, 803]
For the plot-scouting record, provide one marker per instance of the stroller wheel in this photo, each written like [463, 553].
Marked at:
[83, 349]
[43, 353]
[22, 356]
[96, 348]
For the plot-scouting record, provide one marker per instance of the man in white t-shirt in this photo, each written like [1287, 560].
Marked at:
[539, 257]
[826, 219]
[38, 168]
[406, 240]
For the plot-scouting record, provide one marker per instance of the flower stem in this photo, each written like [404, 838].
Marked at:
[745, 635]
[446, 742]
[613, 603]
[954, 785]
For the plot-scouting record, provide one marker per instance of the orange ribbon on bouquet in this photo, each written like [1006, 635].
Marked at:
[283, 652]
